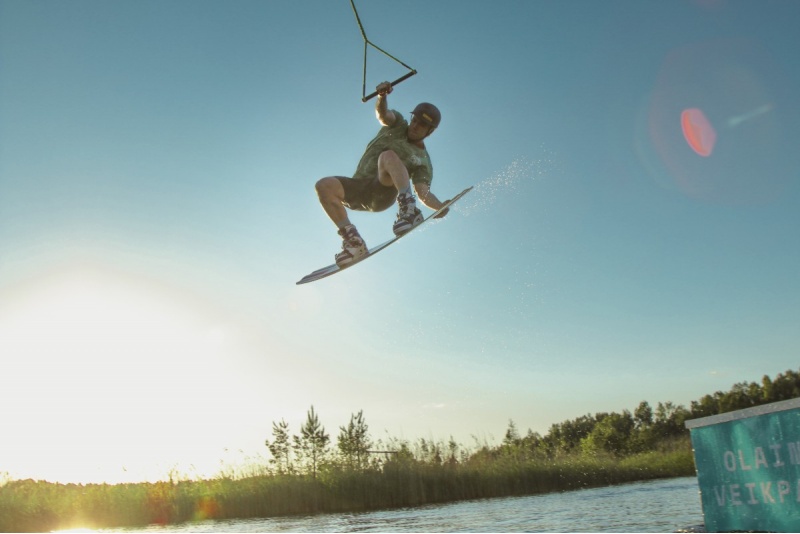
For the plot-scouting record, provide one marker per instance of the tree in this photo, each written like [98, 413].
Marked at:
[669, 420]
[706, 406]
[767, 389]
[643, 415]
[786, 386]
[533, 445]
[568, 435]
[512, 437]
[737, 398]
[611, 434]
[354, 443]
[312, 443]
[280, 447]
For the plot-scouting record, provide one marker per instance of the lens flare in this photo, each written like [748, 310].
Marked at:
[737, 114]
[698, 132]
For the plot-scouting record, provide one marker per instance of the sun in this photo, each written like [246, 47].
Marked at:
[108, 377]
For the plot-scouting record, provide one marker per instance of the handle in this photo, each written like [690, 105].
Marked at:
[398, 80]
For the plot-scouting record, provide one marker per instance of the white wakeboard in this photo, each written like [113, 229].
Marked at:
[333, 269]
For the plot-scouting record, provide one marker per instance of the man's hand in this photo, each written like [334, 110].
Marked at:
[384, 88]
[444, 211]
[385, 116]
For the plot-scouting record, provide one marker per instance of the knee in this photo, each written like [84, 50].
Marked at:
[321, 185]
[388, 156]
[327, 187]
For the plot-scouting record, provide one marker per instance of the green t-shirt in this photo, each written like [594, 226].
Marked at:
[395, 137]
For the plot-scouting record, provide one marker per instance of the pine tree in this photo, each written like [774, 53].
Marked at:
[280, 448]
[312, 443]
[353, 442]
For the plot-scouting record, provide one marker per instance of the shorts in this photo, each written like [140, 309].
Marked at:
[367, 195]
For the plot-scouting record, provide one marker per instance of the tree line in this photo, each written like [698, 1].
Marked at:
[309, 472]
[642, 430]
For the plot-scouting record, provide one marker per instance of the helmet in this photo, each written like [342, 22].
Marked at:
[428, 113]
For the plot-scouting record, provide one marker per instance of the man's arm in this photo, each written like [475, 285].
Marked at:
[385, 115]
[426, 196]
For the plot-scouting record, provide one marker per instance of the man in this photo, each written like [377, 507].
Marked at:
[393, 161]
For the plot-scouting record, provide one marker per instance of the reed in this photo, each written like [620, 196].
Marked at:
[41, 506]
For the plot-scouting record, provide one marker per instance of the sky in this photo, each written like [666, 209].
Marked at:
[157, 164]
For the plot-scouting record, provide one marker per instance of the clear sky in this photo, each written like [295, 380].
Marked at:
[157, 163]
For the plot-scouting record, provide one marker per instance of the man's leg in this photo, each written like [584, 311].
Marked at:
[331, 197]
[392, 171]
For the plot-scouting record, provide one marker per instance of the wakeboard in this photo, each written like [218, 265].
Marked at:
[333, 269]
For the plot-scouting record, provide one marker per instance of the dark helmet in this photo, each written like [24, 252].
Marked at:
[428, 113]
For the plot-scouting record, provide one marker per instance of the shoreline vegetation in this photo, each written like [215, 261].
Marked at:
[306, 475]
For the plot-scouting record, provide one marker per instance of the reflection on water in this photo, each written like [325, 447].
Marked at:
[657, 506]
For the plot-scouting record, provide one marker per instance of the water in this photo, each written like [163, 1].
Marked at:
[656, 506]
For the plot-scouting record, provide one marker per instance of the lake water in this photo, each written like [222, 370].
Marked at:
[657, 506]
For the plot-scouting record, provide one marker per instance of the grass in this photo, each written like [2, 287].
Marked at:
[42, 506]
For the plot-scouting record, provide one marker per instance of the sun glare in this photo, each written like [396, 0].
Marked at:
[108, 379]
